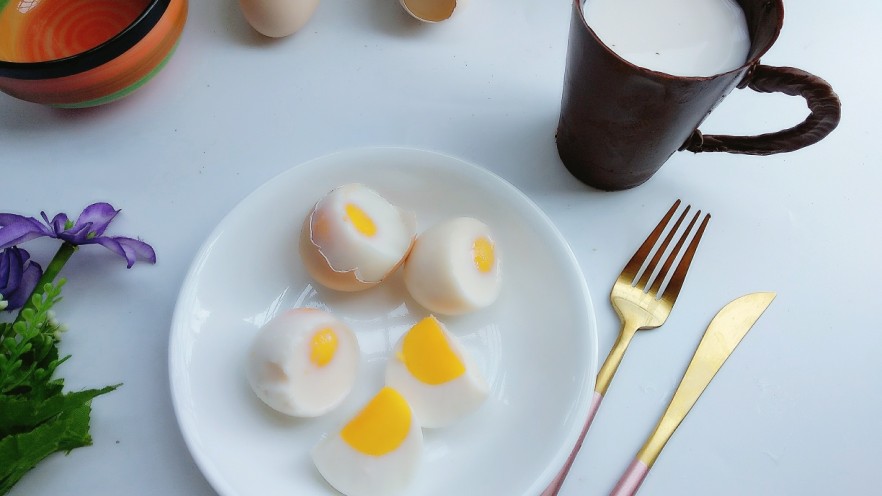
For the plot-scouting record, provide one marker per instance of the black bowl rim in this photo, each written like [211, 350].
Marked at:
[84, 61]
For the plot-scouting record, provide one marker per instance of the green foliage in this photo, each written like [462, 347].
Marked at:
[28, 354]
[37, 418]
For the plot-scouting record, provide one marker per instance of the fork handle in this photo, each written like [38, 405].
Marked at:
[604, 377]
[558, 480]
[631, 479]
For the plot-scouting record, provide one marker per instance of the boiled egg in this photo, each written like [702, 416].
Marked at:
[354, 238]
[277, 18]
[433, 371]
[454, 267]
[303, 362]
[377, 452]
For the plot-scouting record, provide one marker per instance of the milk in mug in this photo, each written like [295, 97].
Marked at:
[677, 37]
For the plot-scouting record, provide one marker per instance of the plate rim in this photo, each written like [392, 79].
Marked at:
[175, 369]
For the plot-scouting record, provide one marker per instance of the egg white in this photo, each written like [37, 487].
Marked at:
[439, 405]
[282, 374]
[440, 272]
[357, 474]
[370, 258]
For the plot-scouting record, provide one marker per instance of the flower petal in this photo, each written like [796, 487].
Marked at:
[128, 248]
[77, 235]
[15, 268]
[5, 270]
[57, 224]
[16, 229]
[18, 277]
[29, 279]
[98, 216]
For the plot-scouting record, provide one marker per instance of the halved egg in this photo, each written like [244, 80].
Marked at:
[433, 371]
[353, 238]
[377, 452]
[454, 267]
[303, 362]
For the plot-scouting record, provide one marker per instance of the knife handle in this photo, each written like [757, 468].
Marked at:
[631, 479]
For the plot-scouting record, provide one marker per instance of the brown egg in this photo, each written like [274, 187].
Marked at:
[430, 10]
[277, 18]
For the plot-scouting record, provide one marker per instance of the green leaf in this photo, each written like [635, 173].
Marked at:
[30, 352]
[25, 412]
[22, 452]
[46, 390]
[28, 313]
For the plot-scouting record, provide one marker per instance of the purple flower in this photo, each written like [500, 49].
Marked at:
[88, 229]
[18, 277]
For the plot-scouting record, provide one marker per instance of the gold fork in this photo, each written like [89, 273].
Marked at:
[641, 304]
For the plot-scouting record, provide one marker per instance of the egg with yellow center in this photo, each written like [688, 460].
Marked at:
[454, 267]
[353, 238]
[432, 369]
[303, 362]
[377, 452]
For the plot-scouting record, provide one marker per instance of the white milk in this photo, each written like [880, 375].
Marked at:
[679, 37]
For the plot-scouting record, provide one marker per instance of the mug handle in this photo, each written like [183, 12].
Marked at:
[822, 120]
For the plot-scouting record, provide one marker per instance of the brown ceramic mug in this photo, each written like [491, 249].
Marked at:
[620, 122]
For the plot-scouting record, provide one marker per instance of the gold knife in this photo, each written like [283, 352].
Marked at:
[723, 334]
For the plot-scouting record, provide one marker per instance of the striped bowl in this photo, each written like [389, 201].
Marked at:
[82, 53]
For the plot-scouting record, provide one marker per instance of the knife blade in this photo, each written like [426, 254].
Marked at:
[723, 334]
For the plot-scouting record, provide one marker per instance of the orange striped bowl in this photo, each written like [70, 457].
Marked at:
[82, 53]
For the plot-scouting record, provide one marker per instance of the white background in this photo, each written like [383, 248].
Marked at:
[796, 409]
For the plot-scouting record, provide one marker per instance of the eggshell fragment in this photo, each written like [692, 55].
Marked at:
[429, 10]
[349, 249]
[277, 18]
[320, 270]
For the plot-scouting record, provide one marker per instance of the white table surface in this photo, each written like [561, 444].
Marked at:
[796, 409]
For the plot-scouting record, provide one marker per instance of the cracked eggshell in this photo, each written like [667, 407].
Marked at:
[431, 10]
[319, 268]
[277, 18]
[362, 257]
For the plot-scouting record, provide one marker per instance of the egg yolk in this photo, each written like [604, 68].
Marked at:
[427, 354]
[381, 426]
[323, 347]
[484, 257]
[362, 221]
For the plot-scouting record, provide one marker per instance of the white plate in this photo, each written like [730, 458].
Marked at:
[536, 345]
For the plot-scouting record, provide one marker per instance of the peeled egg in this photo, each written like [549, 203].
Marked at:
[377, 452]
[277, 18]
[353, 238]
[433, 371]
[453, 267]
[303, 362]
[430, 10]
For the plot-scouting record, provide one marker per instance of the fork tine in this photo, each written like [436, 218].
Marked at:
[656, 285]
[676, 282]
[650, 268]
[633, 265]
